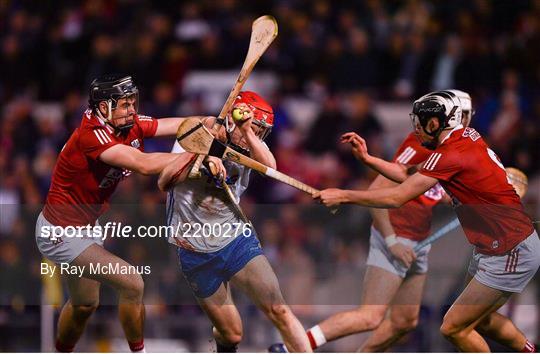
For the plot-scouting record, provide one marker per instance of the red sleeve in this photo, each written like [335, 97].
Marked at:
[94, 141]
[410, 152]
[148, 125]
[442, 165]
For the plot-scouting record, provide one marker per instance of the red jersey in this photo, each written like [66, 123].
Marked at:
[82, 184]
[413, 219]
[488, 208]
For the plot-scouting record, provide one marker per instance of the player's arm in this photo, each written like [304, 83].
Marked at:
[178, 170]
[175, 172]
[391, 170]
[127, 157]
[393, 197]
[381, 218]
[381, 222]
[169, 126]
[257, 149]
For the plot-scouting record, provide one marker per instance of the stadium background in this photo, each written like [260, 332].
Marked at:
[335, 67]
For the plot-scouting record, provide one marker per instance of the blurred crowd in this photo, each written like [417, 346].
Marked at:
[347, 57]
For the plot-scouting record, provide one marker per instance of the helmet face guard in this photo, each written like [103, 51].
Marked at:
[262, 131]
[440, 107]
[112, 89]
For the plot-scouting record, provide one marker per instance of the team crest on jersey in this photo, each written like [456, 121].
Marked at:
[471, 133]
[495, 244]
[436, 192]
[136, 143]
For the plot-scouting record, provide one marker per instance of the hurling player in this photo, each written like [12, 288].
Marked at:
[229, 252]
[505, 256]
[395, 274]
[106, 148]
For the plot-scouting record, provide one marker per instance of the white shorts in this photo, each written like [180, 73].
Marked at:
[380, 256]
[511, 271]
[63, 249]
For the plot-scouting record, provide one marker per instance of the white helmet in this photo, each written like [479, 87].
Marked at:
[442, 105]
[464, 98]
[466, 106]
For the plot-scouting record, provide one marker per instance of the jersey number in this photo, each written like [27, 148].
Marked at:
[495, 158]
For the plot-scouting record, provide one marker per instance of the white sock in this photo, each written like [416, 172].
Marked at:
[316, 337]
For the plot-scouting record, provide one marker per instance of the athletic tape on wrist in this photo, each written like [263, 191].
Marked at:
[390, 240]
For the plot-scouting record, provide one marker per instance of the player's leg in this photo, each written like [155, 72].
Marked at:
[258, 280]
[502, 330]
[220, 309]
[129, 287]
[84, 251]
[495, 279]
[384, 275]
[378, 290]
[403, 318]
[83, 301]
[474, 304]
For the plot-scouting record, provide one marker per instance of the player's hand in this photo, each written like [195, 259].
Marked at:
[244, 124]
[175, 172]
[330, 197]
[216, 167]
[359, 145]
[209, 122]
[403, 253]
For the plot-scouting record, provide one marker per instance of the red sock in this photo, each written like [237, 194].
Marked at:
[63, 348]
[136, 346]
[529, 347]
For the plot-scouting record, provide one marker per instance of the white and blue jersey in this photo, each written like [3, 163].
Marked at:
[201, 213]
[214, 243]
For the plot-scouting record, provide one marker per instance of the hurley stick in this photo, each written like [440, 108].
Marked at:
[263, 32]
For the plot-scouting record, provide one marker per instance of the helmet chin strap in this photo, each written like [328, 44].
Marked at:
[107, 119]
[122, 130]
[432, 144]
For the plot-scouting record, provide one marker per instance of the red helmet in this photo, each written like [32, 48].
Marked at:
[263, 114]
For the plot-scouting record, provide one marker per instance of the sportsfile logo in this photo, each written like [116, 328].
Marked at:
[119, 230]
[110, 229]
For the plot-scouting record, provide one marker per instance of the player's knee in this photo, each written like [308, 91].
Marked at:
[373, 319]
[232, 335]
[373, 322]
[449, 329]
[133, 289]
[405, 324]
[277, 312]
[83, 312]
[484, 325]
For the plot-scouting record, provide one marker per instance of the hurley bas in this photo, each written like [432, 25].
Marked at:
[93, 268]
